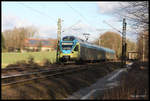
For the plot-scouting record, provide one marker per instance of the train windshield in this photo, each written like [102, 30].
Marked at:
[66, 47]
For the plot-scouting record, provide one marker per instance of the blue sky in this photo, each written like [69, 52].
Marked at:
[87, 17]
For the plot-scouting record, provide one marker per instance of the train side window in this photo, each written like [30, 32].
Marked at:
[76, 48]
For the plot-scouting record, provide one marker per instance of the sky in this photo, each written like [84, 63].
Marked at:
[77, 18]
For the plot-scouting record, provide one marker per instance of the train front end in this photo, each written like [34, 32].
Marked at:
[69, 49]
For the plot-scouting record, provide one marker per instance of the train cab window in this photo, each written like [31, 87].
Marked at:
[76, 48]
[68, 38]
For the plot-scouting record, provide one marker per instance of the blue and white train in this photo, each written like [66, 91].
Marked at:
[75, 49]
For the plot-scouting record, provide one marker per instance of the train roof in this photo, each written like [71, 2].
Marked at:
[90, 45]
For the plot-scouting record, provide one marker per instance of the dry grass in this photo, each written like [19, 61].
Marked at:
[135, 83]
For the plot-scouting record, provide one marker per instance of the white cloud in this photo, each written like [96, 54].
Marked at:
[47, 31]
[110, 7]
[8, 22]
[11, 21]
[78, 30]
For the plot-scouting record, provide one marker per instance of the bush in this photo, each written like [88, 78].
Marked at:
[30, 59]
[22, 62]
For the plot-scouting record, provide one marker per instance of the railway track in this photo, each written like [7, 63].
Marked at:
[19, 70]
[25, 77]
[25, 69]
[28, 68]
[30, 75]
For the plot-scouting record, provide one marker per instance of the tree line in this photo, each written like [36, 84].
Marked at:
[14, 39]
[113, 41]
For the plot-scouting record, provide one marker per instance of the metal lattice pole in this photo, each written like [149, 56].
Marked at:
[58, 39]
[124, 43]
[143, 47]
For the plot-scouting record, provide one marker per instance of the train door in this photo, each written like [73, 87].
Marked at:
[76, 51]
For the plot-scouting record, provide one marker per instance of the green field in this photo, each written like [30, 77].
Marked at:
[11, 58]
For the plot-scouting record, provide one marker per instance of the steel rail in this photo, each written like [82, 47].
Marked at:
[19, 68]
[37, 71]
[55, 74]
[25, 74]
[8, 69]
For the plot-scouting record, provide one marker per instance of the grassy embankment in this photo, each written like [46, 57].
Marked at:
[12, 58]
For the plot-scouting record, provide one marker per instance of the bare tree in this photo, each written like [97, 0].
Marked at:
[143, 46]
[2, 41]
[8, 38]
[15, 38]
[40, 46]
[137, 13]
[113, 41]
